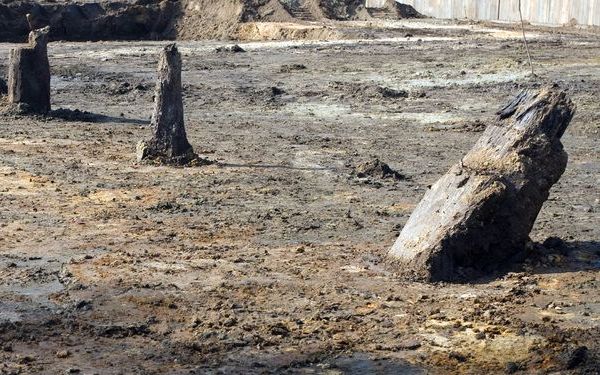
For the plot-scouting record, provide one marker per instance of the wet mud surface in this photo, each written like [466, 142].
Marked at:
[272, 260]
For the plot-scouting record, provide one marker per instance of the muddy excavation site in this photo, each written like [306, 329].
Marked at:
[269, 253]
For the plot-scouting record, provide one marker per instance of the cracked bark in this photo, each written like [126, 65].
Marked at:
[169, 142]
[479, 215]
[29, 74]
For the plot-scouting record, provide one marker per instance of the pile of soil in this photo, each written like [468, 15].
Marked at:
[172, 19]
[226, 19]
[375, 168]
[117, 20]
[370, 92]
[355, 9]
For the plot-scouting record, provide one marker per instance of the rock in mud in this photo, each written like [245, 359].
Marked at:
[512, 367]
[29, 74]
[276, 91]
[387, 92]
[289, 68]
[375, 168]
[62, 354]
[409, 344]
[478, 216]
[234, 49]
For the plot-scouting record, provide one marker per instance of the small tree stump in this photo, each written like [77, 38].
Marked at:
[479, 215]
[29, 74]
[169, 142]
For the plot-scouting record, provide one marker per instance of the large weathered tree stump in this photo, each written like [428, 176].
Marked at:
[169, 142]
[29, 74]
[479, 215]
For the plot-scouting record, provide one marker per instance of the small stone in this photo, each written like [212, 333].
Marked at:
[276, 91]
[280, 329]
[141, 150]
[457, 356]
[409, 344]
[235, 49]
[62, 354]
[230, 322]
[512, 367]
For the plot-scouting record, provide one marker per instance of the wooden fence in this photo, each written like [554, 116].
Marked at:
[553, 12]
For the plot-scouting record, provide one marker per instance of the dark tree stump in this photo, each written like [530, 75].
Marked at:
[29, 74]
[169, 142]
[479, 215]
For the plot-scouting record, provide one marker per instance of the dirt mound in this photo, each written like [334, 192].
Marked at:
[370, 92]
[143, 19]
[220, 19]
[186, 19]
[407, 11]
[285, 31]
[375, 168]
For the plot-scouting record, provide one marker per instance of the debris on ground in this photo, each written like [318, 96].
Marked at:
[375, 168]
[234, 49]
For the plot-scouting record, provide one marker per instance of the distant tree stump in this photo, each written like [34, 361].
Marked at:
[479, 215]
[169, 142]
[29, 74]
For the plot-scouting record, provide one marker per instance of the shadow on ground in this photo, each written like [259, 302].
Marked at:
[84, 116]
[552, 256]
[556, 256]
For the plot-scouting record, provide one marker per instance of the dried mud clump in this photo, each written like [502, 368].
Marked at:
[232, 49]
[387, 92]
[375, 168]
[462, 126]
[370, 92]
[289, 68]
[66, 114]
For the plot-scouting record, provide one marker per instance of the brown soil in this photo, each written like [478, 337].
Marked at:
[271, 19]
[186, 19]
[105, 20]
[273, 259]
